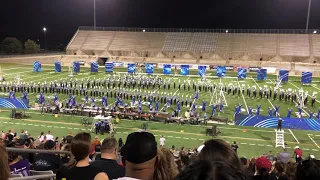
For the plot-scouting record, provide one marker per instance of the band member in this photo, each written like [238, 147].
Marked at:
[279, 127]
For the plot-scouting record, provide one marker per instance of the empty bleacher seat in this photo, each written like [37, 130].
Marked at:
[294, 45]
[98, 40]
[262, 44]
[177, 42]
[78, 40]
[203, 42]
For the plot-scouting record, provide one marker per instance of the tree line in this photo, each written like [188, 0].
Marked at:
[11, 45]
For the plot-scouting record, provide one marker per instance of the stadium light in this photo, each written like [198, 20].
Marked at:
[227, 31]
[314, 32]
[144, 30]
[44, 29]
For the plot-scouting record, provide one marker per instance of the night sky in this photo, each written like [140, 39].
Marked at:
[25, 19]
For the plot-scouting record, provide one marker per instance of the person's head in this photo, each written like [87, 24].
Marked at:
[291, 170]
[80, 148]
[270, 152]
[219, 150]
[166, 167]
[173, 147]
[280, 168]
[4, 166]
[263, 166]
[50, 145]
[66, 147]
[109, 148]
[140, 155]
[41, 134]
[206, 170]
[308, 170]
[49, 132]
[234, 142]
[244, 162]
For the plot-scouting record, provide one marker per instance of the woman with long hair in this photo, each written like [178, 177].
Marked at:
[166, 166]
[4, 166]
[79, 167]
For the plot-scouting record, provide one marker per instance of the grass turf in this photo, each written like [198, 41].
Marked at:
[253, 142]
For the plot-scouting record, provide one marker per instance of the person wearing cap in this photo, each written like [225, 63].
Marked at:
[298, 154]
[140, 156]
[45, 162]
[263, 167]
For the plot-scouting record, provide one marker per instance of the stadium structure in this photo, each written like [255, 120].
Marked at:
[291, 50]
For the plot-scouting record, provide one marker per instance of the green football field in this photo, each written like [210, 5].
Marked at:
[252, 141]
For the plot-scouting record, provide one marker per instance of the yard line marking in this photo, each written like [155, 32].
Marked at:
[201, 139]
[306, 149]
[260, 145]
[178, 137]
[17, 123]
[83, 129]
[49, 126]
[185, 138]
[269, 145]
[252, 144]
[243, 143]
[315, 150]
[170, 136]
[244, 100]
[69, 128]
[294, 136]
[313, 141]
[193, 138]
[310, 134]
[62, 127]
[75, 128]
[36, 125]
[7, 122]
[155, 135]
[55, 127]
[317, 135]
[288, 147]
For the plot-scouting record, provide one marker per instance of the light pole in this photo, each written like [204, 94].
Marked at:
[94, 14]
[45, 38]
[308, 16]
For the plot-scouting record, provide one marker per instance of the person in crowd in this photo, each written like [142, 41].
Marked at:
[206, 170]
[23, 134]
[18, 165]
[45, 162]
[140, 156]
[68, 138]
[270, 156]
[280, 170]
[291, 170]
[96, 144]
[166, 167]
[247, 171]
[297, 153]
[65, 158]
[49, 136]
[284, 156]
[108, 163]
[4, 166]
[162, 141]
[308, 170]
[79, 167]
[234, 146]
[262, 169]
[218, 150]
[172, 149]
[120, 144]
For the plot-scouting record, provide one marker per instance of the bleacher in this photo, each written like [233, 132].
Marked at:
[200, 46]
[294, 45]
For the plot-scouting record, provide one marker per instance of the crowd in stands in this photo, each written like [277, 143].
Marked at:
[140, 157]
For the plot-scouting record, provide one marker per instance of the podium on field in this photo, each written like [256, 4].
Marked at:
[279, 138]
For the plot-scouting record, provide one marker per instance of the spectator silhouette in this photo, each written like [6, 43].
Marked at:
[4, 166]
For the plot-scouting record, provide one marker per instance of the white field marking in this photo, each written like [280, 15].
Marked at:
[315, 150]
[244, 100]
[288, 147]
[300, 88]
[313, 141]
[315, 87]
[260, 145]
[310, 134]
[185, 138]
[170, 136]
[36, 125]
[201, 139]
[243, 143]
[49, 126]
[17, 123]
[293, 136]
[15, 67]
[255, 130]
[269, 145]
[178, 137]
[62, 127]
[193, 138]
[252, 144]
[317, 135]
[306, 149]
[83, 129]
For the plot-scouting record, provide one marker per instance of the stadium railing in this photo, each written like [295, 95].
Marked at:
[260, 31]
[37, 177]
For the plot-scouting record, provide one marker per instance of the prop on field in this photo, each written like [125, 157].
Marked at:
[109, 67]
[221, 71]
[76, 67]
[37, 66]
[17, 79]
[131, 68]
[202, 70]
[149, 68]
[71, 71]
[272, 122]
[57, 66]
[262, 74]
[167, 69]
[242, 73]
[306, 78]
[282, 77]
[184, 70]
[94, 67]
